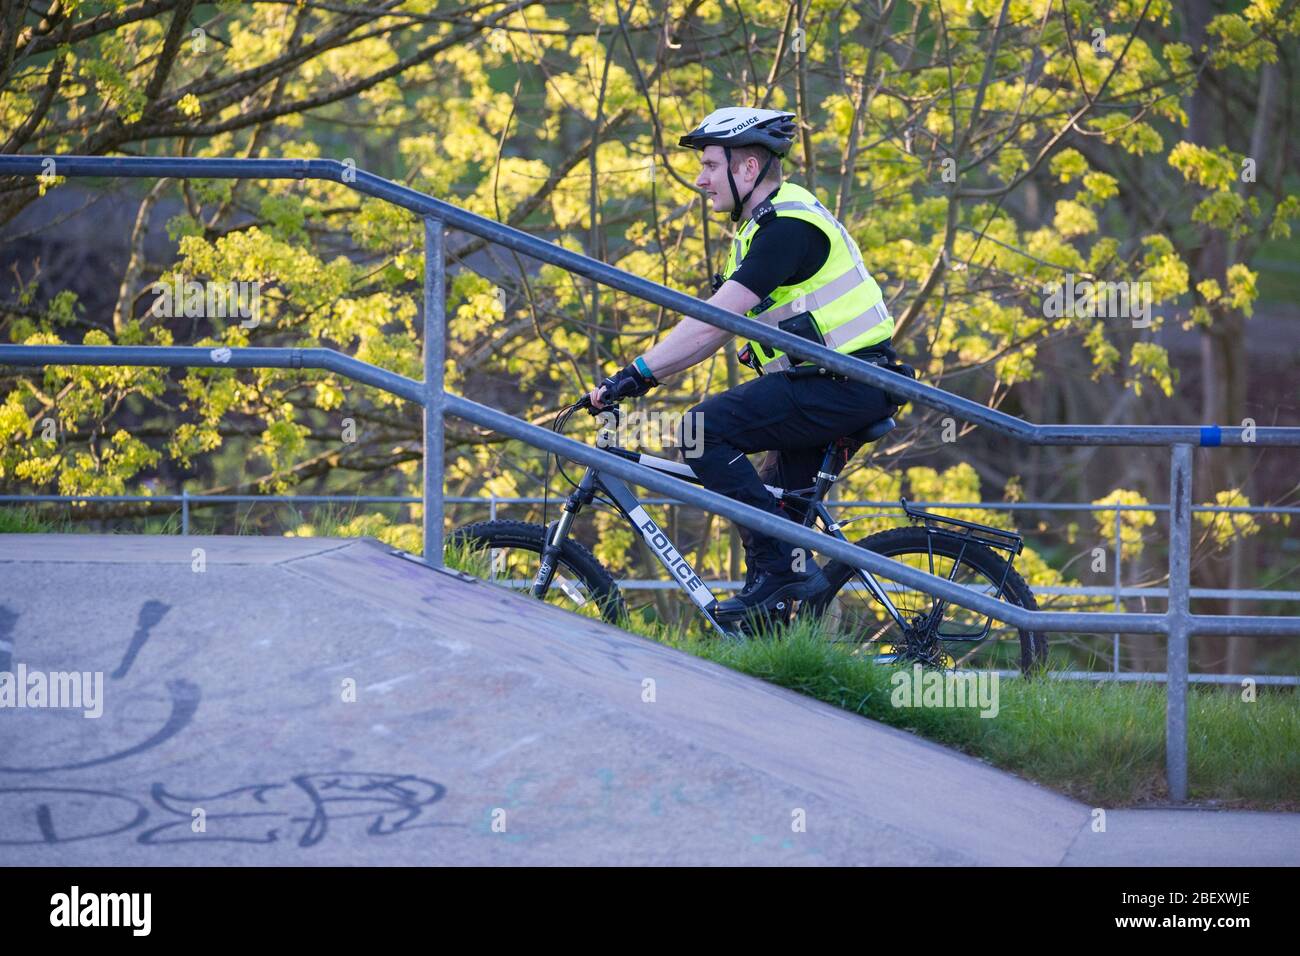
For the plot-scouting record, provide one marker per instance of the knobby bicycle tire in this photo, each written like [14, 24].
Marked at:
[574, 556]
[979, 557]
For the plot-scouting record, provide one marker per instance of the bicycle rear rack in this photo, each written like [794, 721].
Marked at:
[971, 531]
[966, 532]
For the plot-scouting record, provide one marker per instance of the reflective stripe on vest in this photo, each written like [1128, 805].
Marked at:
[812, 301]
[842, 297]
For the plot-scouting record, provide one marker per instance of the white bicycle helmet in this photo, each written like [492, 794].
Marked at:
[744, 126]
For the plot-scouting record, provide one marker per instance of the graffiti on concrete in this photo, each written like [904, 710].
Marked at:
[184, 703]
[151, 613]
[301, 810]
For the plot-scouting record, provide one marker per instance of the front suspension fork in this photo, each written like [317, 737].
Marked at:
[581, 496]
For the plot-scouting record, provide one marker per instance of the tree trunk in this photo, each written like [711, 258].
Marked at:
[1223, 382]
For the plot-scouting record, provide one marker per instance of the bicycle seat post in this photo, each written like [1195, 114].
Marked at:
[828, 473]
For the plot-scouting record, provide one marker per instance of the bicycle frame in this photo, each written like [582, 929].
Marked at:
[593, 481]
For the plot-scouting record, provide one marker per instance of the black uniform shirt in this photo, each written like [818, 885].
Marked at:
[784, 251]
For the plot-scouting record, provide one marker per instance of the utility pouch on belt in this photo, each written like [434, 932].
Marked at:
[803, 326]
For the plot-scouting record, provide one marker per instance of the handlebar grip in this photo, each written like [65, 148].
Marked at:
[610, 407]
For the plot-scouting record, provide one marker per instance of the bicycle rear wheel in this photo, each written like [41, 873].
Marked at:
[509, 553]
[952, 636]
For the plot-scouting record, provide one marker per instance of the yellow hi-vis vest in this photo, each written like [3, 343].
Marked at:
[847, 306]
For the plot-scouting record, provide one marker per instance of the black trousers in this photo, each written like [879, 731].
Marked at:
[793, 418]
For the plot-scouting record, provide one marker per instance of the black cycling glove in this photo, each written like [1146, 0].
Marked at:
[628, 382]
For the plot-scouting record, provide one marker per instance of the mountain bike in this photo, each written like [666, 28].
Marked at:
[892, 623]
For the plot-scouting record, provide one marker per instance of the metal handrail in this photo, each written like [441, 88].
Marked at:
[1178, 622]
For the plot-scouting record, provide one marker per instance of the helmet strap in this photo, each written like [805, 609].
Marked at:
[735, 213]
[735, 193]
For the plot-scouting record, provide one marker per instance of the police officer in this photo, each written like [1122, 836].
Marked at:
[791, 265]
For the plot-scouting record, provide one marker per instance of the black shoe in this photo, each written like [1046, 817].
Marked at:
[741, 624]
[771, 592]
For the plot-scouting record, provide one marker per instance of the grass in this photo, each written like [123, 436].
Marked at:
[28, 520]
[1100, 742]
[326, 520]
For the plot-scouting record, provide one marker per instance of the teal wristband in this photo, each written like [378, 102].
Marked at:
[644, 369]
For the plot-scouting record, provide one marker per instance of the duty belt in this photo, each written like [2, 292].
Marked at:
[866, 355]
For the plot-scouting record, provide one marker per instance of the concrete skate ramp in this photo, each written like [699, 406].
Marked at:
[290, 701]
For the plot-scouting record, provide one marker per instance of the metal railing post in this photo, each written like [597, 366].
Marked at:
[185, 511]
[1118, 604]
[435, 345]
[1179, 614]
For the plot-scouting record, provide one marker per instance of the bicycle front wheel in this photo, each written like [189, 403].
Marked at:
[509, 553]
[942, 633]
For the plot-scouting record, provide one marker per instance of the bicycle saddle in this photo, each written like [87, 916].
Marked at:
[840, 451]
[876, 430]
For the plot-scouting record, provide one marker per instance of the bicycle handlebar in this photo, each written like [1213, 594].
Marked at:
[585, 404]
